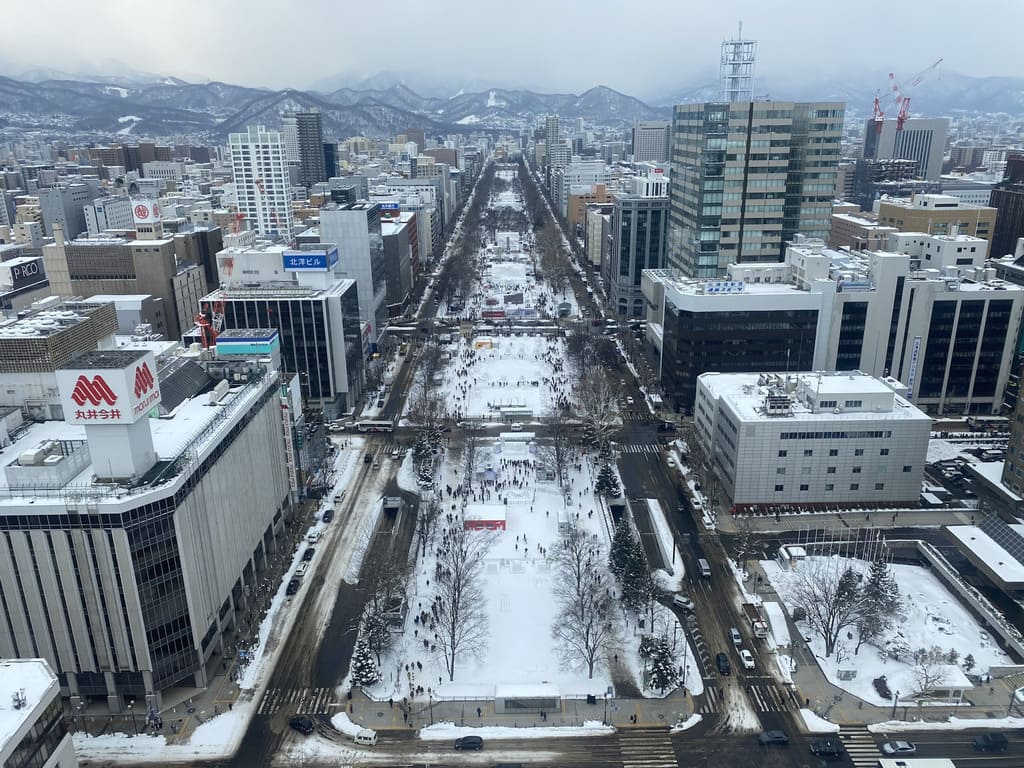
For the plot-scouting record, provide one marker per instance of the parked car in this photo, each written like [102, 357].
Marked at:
[722, 661]
[368, 458]
[302, 724]
[991, 742]
[899, 748]
[773, 737]
[827, 748]
[293, 587]
[308, 554]
[682, 601]
[469, 742]
[747, 658]
[328, 515]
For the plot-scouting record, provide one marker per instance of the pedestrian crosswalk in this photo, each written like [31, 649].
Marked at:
[766, 698]
[300, 701]
[634, 416]
[646, 748]
[860, 746]
[712, 700]
[638, 448]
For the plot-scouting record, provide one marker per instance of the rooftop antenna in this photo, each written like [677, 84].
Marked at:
[737, 68]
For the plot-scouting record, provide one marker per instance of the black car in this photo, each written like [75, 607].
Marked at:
[308, 554]
[302, 725]
[293, 587]
[328, 515]
[469, 742]
[991, 742]
[827, 748]
[773, 737]
[722, 661]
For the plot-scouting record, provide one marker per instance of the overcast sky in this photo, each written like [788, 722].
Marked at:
[641, 47]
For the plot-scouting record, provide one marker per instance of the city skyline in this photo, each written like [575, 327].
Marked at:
[806, 38]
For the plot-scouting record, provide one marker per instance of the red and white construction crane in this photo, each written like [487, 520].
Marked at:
[900, 98]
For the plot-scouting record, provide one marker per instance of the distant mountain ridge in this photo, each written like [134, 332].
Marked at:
[172, 107]
[167, 106]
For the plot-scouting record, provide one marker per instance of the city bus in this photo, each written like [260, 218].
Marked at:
[376, 425]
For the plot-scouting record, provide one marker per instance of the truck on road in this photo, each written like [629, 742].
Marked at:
[758, 625]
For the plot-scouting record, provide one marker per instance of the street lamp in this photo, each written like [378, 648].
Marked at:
[430, 698]
[131, 712]
[895, 699]
[606, 707]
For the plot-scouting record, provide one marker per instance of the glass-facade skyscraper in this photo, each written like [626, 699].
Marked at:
[746, 177]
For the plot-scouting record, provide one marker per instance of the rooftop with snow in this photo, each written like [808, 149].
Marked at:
[814, 397]
[24, 683]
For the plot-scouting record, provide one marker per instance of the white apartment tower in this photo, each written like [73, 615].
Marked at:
[260, 167]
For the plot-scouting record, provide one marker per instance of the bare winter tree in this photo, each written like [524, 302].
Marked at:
[583, 630]
[597, 399]
[461, 616]
[428, 411]
[426, 521]
[746, 542]
[558, 450]
[431, 361]
[929, 669]
[828, 592]
[471, 450]
[384, 580]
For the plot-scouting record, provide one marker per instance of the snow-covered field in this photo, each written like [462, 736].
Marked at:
[487, 374]
[929, 616]
[517, 586]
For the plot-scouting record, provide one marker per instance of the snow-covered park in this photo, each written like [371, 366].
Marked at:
[531, 516]
[929, 617]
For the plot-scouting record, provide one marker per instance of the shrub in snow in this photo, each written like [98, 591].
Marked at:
[364, 668]
[607, 484]
[882, 687]
[664, 673]
[628, 563]
[969, 662]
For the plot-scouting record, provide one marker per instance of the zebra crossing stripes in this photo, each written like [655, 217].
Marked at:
[766, 698]
[712, 700]
[860, 746]
[646, 749]
[638, 448]
[300, 701]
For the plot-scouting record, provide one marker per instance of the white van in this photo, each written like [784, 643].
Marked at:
[301, 571]
[313, 537]
[705, 567]
[735, 636]
[516, 426]
[366, 737]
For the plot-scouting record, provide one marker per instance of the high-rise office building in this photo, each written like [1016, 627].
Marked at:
[746, 177]
[258, 162]
[922, 139]
[309, 147]
[639, 222]
[1008, 200]
[650, 141]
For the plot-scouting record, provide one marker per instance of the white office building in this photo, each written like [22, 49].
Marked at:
[809, 439]
[33, 733]
[262, 185]
[651, 141]
[355, 229]
[135, 530]
[105, 213]
[928, 312]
